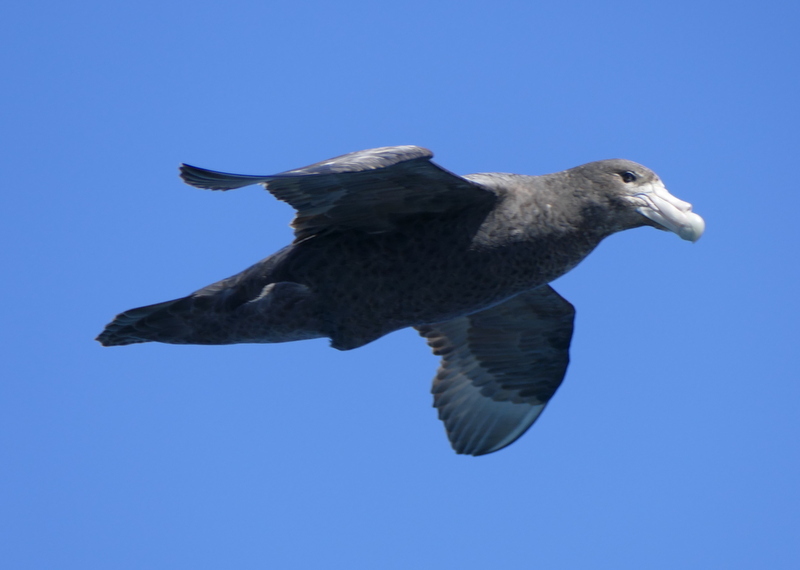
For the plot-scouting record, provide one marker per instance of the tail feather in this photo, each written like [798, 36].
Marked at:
[157, 322]
[213, 180]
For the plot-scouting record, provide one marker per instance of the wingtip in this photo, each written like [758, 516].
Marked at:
[214, 180]
[194, 176]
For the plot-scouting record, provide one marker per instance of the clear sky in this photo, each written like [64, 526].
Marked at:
[673, 442]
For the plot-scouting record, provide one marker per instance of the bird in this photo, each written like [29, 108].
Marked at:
[386, 239]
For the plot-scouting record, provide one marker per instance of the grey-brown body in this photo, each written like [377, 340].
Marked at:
[385, 239]
[354, 287]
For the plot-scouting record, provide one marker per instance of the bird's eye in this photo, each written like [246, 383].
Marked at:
[628, 176]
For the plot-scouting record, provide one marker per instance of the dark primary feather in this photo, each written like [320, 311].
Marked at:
[213, 180]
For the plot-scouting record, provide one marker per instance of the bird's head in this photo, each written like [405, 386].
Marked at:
[638, 197]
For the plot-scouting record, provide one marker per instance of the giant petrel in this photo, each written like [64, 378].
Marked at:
[386, 239]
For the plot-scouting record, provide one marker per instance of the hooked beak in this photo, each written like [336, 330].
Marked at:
[656, 203]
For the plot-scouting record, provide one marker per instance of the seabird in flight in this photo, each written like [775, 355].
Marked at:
[387, 239]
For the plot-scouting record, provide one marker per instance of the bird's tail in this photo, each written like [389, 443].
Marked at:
[161, 322]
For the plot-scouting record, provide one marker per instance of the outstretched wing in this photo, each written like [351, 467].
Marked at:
[499, 368]
[367, 190]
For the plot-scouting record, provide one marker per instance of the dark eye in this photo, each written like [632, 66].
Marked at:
[628, 176]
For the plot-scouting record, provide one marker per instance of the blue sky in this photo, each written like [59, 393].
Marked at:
[673, 442]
